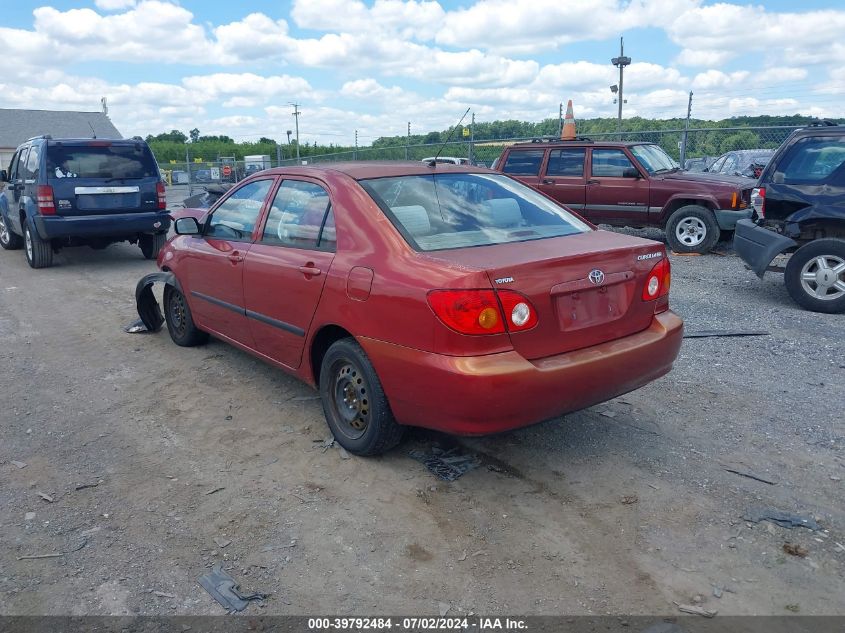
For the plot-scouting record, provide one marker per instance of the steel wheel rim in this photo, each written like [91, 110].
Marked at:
[177, 313]
[691, 231]
[4, 232]
[823, 277]
[27, 238]
[350, 399]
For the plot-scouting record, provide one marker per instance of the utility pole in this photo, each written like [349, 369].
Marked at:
[408, 142]
[686, 131]
[355, 153]
[296, 114]
[278, 155]
[620, 62]
[471, 155]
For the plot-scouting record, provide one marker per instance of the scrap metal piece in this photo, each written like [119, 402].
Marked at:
[724, 333]
[136, 327]
[447, 465]
[225, 590]
[784, 519]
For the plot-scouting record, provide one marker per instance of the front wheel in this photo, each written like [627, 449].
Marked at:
[180, 322]
[354, 403]
[39, 252]
[815, 276]
[8, 240]
[692, 229]
[151, 244]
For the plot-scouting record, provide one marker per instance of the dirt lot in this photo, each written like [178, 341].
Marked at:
[623, 508]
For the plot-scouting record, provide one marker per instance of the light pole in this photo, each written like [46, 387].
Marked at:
[296, 118]
[620, 62]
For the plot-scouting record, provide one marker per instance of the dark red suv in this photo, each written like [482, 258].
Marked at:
[632, 184]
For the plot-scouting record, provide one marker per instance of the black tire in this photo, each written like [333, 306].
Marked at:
[692, 229]
[817, 292]
[39, 252]
[180, 322]
[9, 241]
[151, 244]
[354, 403]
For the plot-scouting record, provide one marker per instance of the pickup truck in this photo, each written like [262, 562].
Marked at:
[632, 184]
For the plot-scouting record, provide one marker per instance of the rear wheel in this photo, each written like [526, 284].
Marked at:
[354, 403]
[8, 240]
[692, 229]
[39, 252]
[180, 323]
[815, 276]
[151, 244]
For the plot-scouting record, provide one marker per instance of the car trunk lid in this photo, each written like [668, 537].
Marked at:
[586, 288]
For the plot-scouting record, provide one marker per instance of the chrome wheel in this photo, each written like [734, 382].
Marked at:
[350, 400]
[824, 277]
[4, 232]
[27, 240]
[691, 231]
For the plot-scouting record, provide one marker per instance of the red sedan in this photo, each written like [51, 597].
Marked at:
[441, 296]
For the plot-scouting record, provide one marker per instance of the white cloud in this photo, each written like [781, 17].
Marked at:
[114, 5]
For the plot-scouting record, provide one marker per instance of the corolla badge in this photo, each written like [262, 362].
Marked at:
[596, 277]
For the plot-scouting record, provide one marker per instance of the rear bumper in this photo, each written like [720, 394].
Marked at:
[728, 218]
[111, 225]
[757, 246]
[477, 395]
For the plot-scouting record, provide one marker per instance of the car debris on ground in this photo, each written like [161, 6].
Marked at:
[787, 520]
[225, 590]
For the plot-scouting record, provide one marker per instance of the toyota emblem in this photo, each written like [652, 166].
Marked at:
[596, 277]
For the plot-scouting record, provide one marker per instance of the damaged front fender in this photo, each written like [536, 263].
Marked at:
[148, 308]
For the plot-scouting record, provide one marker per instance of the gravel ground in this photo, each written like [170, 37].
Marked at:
[136, 465]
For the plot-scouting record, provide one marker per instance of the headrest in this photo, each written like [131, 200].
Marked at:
[414, 218]
[501, 212]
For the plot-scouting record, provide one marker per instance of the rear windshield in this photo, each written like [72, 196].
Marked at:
[445, 211]
[123, 161]
[811, 160]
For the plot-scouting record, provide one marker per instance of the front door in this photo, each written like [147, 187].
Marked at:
[214, 261]
[617, 192]
[564, 178]
[286, 269]
[14, 191]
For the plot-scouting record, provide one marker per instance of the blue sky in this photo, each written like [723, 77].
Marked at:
[373, 66]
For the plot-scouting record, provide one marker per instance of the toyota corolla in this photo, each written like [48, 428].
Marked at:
[442, 296]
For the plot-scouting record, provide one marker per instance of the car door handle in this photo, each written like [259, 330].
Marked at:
[235, 257]
[548, 181]
[309, 270]
[591, 181]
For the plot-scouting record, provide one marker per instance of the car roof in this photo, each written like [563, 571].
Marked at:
[361, 170]
[543, 143]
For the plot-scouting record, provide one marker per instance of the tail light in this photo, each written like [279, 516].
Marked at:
[482, 311]
[162, 195]
[44, 200]
[758, 201]
[657, 285]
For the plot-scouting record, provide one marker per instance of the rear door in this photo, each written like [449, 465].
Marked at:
[101, 177]
[286, 269]
[213, 261]
[564, 178]
[617, 191]
[525, 165]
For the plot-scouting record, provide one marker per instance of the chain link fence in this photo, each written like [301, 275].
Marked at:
[699, 147]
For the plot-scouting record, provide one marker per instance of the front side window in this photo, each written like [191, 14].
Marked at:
[566, 162]
[813, 159]
[524, 162]
[445, 211]
[236, 216]
[610, 163]
[297, 217]
[106, 160]
[653, 158]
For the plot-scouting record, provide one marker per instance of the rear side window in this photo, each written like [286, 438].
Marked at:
[30, 169]
[524, 163]
[122, 161]
[566, 162]
[811, 160]
[298, 217]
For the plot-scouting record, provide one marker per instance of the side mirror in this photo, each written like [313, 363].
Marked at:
[186, 226]
[4, 177]
[630, 172]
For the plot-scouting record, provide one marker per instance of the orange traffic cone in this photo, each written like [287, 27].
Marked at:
[568, 131]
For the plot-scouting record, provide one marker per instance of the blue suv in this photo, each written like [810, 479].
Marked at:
[74, 192]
